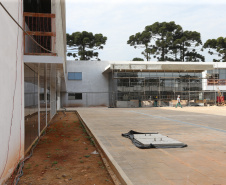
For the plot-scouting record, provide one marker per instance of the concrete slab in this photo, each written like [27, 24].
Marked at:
[202, 129]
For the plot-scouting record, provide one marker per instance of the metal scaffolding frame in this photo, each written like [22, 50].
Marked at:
[194, 95]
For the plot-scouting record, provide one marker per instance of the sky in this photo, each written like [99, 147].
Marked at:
[119, 19]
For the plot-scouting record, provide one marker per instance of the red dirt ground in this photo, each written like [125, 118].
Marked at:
[63, 156]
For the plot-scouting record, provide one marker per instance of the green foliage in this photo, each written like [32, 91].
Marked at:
[83, 44]
[140, 40]
[185, 44]
[138, 59]
[217, 47]
[53, 163]
[167, 41]
[164, 34]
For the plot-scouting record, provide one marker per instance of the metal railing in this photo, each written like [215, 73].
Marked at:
[41, 27]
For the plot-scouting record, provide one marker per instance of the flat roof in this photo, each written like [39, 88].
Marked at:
[159, 66]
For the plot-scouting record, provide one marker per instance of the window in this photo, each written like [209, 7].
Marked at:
[222, 73]
[74, 75]
[74, 96]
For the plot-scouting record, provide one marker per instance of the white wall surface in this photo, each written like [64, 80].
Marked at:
[58, 8]
[12, 89]
[94, 85]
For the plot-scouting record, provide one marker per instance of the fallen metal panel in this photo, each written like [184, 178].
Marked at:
[152, 140]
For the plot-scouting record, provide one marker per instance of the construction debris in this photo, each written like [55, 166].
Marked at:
[152, 140]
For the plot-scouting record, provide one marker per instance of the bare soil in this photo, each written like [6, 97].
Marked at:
[64, 156]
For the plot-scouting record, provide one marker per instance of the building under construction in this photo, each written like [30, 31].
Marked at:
[141, 84]
[37, 81]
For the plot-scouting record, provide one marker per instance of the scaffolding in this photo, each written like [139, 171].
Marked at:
[147, 87]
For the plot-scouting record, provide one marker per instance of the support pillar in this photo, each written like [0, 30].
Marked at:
[39, 100]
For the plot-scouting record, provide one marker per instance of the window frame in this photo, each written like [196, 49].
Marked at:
[74, 76]
[77, 96]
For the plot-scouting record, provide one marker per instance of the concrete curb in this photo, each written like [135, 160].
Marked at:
[122, 177]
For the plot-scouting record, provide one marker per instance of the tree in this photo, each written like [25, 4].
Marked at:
[142, 40]
[217, 47]
[163, 34]
[138, 59]
[186, 43]
[194, 57]
[168, 41]
[83, 45]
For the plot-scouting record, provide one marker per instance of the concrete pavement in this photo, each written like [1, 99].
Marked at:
[203, 129]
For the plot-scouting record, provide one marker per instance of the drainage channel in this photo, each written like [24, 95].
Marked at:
[115, 171]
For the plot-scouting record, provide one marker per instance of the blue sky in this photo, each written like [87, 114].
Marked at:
[118, 19]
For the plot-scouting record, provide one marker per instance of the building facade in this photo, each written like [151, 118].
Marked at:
[32, 74]
[87, 86]
[36, 79]
[141, 84]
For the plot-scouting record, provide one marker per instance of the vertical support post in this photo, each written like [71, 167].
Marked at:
[39, 100]
[144, 90]
[24, 33]
[214, 88]
[113, 105]
[45, 93]
[129, 86]
[174, 88]
[52, 90]
[58, 85]
[112, 83]
[86, 100]
[159, 94]
[203, 97]
[189, 98]
[215, 93]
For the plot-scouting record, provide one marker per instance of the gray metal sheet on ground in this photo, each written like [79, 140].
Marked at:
[156, 139]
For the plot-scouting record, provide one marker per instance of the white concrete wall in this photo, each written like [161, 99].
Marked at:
[58, 8]
[94, 85]
[12, 89]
